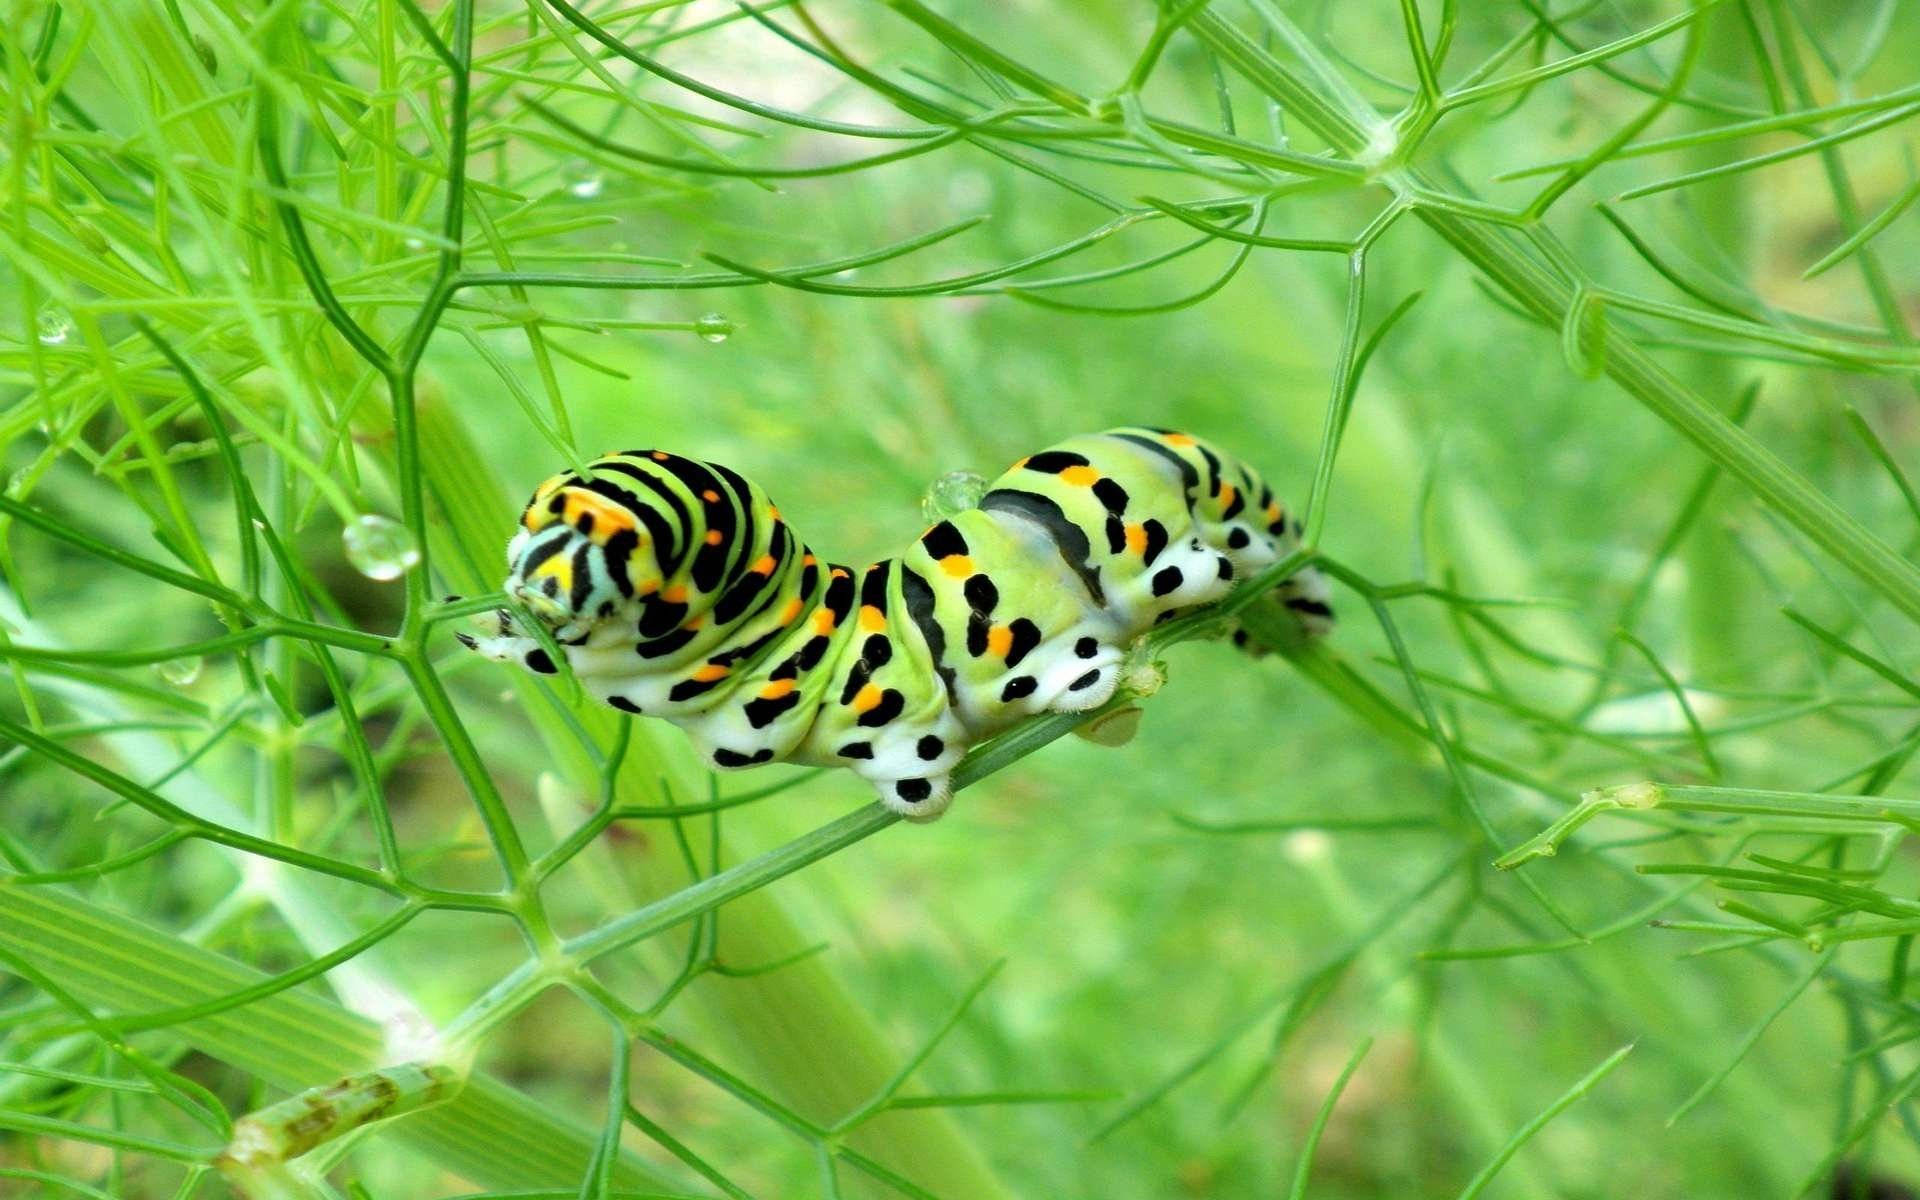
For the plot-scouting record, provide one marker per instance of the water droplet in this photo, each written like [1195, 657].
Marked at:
[379, 547]
[712, 327]
[180, 672]
[583, 182]
[954, 492]
[54, 327]
[414, 245]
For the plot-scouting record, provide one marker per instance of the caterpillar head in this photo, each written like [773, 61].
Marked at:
[571, 559]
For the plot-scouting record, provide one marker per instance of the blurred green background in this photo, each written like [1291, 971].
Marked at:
[1206, 986]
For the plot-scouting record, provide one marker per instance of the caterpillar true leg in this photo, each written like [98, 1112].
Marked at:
[675, 589]
[511, 648]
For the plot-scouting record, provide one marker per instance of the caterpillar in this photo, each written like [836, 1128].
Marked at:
[675, 589]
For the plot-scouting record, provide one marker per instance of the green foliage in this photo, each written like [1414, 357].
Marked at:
[1582, 333]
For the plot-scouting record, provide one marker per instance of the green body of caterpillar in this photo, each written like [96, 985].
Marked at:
[676, 590]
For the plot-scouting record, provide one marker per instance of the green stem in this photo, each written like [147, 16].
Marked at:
[490, 1133]
[1772, 481]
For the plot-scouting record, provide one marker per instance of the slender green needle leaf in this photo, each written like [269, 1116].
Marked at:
[1858, 239]
[1525, 1134]
[1841, 646]
[1320, 1119]
[1871, 125]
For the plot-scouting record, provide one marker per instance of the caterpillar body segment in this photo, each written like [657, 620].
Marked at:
[676, 590]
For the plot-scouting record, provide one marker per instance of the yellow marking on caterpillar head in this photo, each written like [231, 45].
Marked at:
[957, 565]
[867, 698]
[776, 689]
[872, 620]
[823, 621]
[537, 517]
[715, 537]
[1227, 493]
[710, 496]
[677, 594]
[1273, 512]
[1136, 539]
[1079, 476]
[559, 567]
[708, 672]
[1177, 439]
[999, 641]
[792, 610]
[763, 565]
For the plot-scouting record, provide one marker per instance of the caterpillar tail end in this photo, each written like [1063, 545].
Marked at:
[1287, 619]
[1307, 596]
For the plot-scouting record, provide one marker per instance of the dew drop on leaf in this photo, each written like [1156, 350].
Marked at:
[180, 672]
[712, 327]
[583, 182]
[379, 547]
[954, 492]
[54, 328]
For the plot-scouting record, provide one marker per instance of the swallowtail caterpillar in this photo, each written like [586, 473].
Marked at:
[676, 590]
